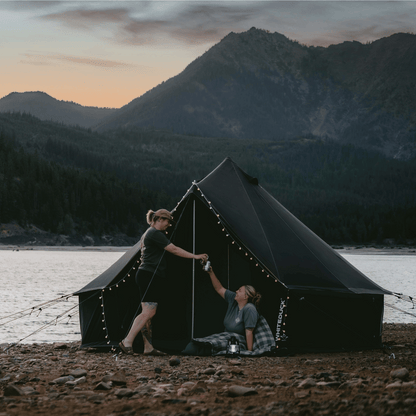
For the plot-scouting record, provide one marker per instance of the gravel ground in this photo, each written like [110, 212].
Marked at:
[61, 379]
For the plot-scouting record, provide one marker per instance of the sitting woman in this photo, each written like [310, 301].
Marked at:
[242, 321]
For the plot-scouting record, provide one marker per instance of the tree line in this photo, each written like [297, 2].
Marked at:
[65, 200]
[74, 180]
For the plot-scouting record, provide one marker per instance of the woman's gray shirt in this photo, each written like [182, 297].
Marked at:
[237, 320]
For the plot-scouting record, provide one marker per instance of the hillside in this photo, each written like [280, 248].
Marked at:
[44, 107]
[345, 194]
[261, 85]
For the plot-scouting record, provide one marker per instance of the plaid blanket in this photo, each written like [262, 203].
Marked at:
[263, 340]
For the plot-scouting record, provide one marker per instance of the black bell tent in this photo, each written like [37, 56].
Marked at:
[312, 298]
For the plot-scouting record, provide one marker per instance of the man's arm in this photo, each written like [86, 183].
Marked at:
[180, 252]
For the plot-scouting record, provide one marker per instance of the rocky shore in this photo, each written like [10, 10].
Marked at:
[62, 379]
[13, 236]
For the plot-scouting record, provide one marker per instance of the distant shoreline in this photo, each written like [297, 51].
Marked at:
[359, 250]
[65, 248]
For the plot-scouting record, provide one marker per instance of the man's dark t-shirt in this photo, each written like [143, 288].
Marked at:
[153, 243]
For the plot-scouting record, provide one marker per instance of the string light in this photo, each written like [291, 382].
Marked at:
[128, 274]
[223, 229]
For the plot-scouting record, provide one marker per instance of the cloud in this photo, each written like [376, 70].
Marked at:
[50, 59]
[88, 19]
[28, 5]
[140, 23]
[202, 22]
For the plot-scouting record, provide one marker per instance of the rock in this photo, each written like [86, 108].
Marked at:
[328, 384]
[235, 362]
[307, 383]
[237, 371]
[143, 390]
[30, 391]
[120, 393]
[118, 379]
[78, 372]
[102, 385]
[62, 380]
[165, 386]
[401, 373]
[209, 371]
[397, 384]
[174, 361]
[12, 390]
[181, 391]
[188, 384]
[96, 398]
[74, 383]
[60, 346]
[302, 394]
[236, 391]
[173, 401]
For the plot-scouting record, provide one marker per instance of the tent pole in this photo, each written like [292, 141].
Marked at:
[228, 265]
[193, 272]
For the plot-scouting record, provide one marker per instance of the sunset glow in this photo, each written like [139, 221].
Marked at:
[107, 53]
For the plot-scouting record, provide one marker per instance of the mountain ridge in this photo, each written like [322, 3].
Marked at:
[45, 107]
[264, 85]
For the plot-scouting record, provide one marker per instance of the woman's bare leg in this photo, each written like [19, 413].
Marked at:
[148, 312]
[147, 337]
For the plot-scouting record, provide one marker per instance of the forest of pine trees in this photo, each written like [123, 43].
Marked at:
[75, 181]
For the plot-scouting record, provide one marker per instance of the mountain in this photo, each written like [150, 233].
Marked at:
[258, 84]
[45, 107]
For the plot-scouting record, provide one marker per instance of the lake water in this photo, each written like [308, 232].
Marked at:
[28, 278]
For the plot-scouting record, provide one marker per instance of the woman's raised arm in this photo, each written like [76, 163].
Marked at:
[219, 288]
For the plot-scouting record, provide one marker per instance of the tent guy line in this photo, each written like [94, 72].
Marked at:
[37, 307]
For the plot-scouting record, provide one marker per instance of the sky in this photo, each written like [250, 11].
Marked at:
[106, 53]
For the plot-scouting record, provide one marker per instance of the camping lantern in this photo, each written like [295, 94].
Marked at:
[233, 346]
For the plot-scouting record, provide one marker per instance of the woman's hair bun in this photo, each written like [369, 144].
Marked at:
[149, 216]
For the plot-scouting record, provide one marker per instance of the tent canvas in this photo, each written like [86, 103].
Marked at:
[312, 297]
